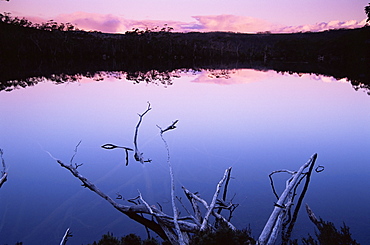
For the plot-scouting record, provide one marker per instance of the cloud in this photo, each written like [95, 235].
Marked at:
[230, 23]
[322, 26]
[206, 23]
[236, 76]
[98, 22]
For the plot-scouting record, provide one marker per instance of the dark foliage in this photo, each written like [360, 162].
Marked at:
[329, 235]
[59, 51]
[223, 235]
[130, 239]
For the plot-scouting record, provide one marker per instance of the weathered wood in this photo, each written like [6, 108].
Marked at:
[268, 234]
[214, 199]
[173, 198]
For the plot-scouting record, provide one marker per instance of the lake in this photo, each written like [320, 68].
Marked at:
[254, 121]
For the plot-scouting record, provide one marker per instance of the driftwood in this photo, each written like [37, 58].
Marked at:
[4, 173]
[177, 229]
[282, 206]
[173, 199]
[164, 224]
[138, 156]
[173, 228]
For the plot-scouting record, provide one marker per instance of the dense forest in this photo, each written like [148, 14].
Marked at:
[44, 50]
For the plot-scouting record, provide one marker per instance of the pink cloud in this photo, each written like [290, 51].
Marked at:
[90, 21]
[322, 26]
[115, 24]
[235, 76]
[231, 23]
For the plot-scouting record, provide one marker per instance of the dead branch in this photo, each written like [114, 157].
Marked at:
[111, 147]
[130, 211]
[67, 235]
[214, 199]
[138, 155]
[174, 208]
[289, 225]
[4, 173]
[273, 225]
[172, 126]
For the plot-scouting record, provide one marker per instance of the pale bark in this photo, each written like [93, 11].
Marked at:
[268, 235]
[174, 208]
[67, 234]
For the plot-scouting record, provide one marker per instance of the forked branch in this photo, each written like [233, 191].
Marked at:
[273, 225]
[138, 155]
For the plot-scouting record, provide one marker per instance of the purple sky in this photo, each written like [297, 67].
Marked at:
[195, 15]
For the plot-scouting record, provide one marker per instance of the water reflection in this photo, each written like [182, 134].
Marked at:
[358, 78]
[166, 78]
[255, 127]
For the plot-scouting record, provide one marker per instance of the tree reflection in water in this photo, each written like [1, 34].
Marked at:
[359, 80]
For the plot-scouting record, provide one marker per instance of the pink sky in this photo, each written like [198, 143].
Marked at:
[196, 15]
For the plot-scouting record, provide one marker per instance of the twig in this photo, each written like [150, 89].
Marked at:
[172, 126]
[111, 146]
[145, 203]
[272, 181]
[138, 155]
[76, 148]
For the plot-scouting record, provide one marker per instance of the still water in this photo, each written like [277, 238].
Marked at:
[253, 121]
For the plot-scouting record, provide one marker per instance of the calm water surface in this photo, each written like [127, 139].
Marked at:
[254, 121]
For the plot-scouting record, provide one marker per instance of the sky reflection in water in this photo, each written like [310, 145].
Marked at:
[254, 121]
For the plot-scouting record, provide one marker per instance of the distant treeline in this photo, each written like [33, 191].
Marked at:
[28, 50]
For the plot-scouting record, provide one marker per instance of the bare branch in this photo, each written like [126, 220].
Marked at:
[172, 126]
[76, 148]
[272, 181]
[145, 203]
[174, 208]
[130, 211]
[4, 173]
[138, 155]
[214, 199]
[67, 235]
[111, 146]
[274, 222]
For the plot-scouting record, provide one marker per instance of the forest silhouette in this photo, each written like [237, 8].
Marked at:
[60, 52]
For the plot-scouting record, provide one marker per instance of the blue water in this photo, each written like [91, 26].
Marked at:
[254, 121]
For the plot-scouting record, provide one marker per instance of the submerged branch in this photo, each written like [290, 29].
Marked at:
[272, 227]
[138, 155]
[214, 199]
[130, 211]
[174, 208]
[4, 173]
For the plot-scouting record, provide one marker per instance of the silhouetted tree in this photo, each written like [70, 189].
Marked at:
[367, 11]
